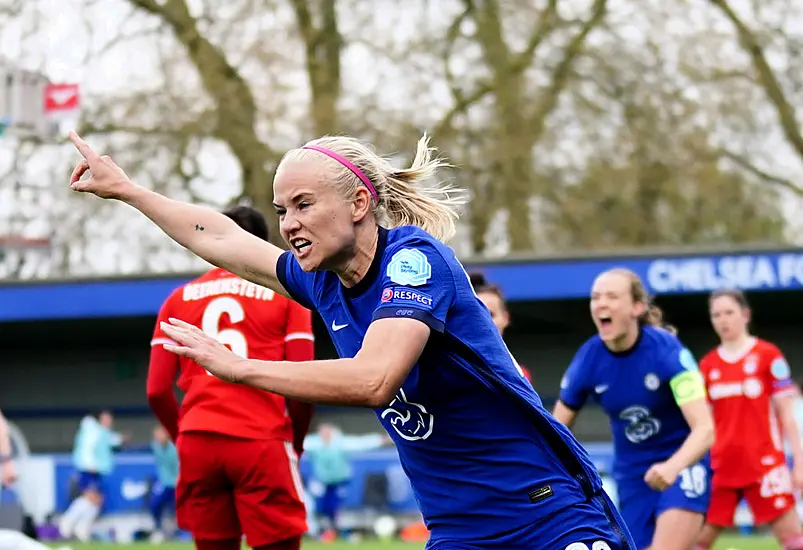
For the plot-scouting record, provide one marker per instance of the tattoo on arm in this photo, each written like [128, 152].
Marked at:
[199, 227]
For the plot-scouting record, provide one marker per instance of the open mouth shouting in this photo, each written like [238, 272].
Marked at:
[300, 245]
[605, 322]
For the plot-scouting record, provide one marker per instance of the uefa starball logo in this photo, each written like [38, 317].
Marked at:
[387, 295]
[409, 267]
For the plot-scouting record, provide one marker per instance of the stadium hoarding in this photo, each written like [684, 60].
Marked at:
[685, 273]
[549, 308]
[669, 274]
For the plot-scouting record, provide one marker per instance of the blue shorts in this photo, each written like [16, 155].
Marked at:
[162, 496]
[329, 502]
[640, 505]
[90, 481]
[163, 501]
[592, 525]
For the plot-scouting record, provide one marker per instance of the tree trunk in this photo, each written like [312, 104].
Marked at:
[236, 108]
[322, 47]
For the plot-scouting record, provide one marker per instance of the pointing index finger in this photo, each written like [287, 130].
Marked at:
[83, 147]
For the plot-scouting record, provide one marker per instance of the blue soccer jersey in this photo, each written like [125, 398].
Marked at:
[484, 458]
[633, 388]
[640, 390]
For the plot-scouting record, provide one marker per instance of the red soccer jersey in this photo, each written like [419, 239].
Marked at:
[748, 437]
[254, 322]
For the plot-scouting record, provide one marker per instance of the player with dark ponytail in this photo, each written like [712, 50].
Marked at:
[491, 295]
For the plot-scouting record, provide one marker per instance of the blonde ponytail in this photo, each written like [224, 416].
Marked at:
[408, 201]
[402, 196]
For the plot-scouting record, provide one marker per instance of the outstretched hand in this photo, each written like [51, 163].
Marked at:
[107, 180]
[193, 343]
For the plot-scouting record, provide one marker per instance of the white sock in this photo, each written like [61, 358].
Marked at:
[14, 540]
[71, 517]
[83, 528]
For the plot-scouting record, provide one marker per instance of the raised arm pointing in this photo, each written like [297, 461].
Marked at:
[209, 234]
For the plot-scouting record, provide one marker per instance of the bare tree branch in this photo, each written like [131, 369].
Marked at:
[562, 72]
[744, 163]
[787, 117]
[512, 64]
[323, 48]
[236, 108]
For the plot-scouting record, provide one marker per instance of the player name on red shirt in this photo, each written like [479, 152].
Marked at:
[227, 285]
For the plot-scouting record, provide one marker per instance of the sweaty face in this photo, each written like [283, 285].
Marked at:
[612, 306]
[496, 306]
[314, 219]
[728, 318]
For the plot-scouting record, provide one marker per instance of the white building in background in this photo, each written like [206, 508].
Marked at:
[22, 99]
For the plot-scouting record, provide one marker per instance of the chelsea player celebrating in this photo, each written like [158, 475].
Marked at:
[490, 467]
[649, 386]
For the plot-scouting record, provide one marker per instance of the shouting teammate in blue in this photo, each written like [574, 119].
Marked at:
[490, 467]
[649, 386]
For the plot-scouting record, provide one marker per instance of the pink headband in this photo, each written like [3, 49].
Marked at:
[348, 164]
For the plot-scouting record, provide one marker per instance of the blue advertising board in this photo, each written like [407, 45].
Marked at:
[662, 275]
[534, 280]
[126, 489]
[85, 299]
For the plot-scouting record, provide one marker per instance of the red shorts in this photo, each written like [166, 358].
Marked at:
[769, 499]
[229, 486]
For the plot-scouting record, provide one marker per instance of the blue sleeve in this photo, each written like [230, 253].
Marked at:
[417, 284]
[295, 280]
[575, 386]
[677, 359]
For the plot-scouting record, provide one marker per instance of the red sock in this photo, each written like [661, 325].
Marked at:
[289, 544]
[793, 543]
[225, 544]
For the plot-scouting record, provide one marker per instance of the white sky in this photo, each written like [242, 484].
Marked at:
[52, 37]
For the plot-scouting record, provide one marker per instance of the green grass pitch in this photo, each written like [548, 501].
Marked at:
[731, 543]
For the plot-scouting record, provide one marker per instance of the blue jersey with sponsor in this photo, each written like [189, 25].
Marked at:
[483, 455]
[633, 389]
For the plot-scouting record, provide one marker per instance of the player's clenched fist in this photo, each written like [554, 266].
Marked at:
[193, 343]
[661, 476]
[107, 180]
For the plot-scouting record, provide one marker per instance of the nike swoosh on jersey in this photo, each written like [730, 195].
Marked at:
[336, 327]
[601, 389]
